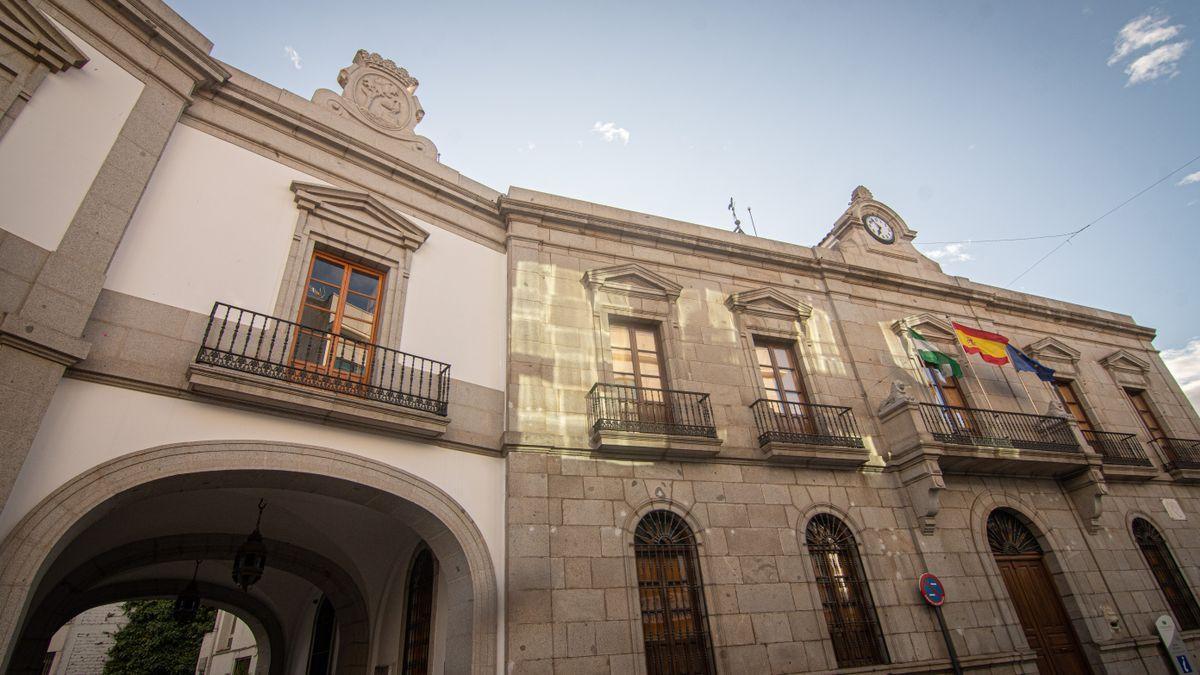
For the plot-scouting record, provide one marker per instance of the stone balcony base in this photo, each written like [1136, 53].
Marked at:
[815, 455]
[1004, 461]
[1130, 472]
[317, 404]
[653, 446]
[1189, 475]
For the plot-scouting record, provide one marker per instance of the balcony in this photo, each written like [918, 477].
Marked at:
[264, 360]
[1124, 458]
[1182, 458]
[975, 440]
[807, 434]
[651, 422]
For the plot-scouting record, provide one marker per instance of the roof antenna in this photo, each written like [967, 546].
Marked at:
[752, 225]
[737, 224]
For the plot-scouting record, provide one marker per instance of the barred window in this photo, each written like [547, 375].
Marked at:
[418, 617]
[1170, 579]
[671, 592]
[845, 595]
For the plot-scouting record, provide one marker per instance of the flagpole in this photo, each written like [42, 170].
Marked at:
[1027, 394]
[967, 358]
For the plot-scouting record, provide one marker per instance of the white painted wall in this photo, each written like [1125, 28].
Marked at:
[457, 305]
[88, 424]
[52, 153]
[215, 223]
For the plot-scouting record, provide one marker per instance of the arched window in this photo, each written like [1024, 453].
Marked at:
[845, 595]
[418, 616]
[1167, 574]
[320, 658]
[672, 597]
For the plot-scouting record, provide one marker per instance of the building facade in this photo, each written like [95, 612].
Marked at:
[474, 431]
[228, 649]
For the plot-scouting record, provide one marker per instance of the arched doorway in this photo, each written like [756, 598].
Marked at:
[1022, 565]
[334, 523]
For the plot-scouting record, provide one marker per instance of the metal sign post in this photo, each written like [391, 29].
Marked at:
[934, 593]
[1176, 649]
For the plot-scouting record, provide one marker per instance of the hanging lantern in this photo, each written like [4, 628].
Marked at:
[187, 604]
[251, 558]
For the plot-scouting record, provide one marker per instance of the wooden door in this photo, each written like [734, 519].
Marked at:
[948, 391]
[337, 319]
[784, 385]
[1047, 627]
[1149, 419]
[638, 362]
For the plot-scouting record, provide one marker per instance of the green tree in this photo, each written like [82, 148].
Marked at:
[154, 643]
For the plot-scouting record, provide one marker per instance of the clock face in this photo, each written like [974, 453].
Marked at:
[880, 229]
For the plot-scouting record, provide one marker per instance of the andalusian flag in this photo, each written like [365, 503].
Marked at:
[990, 347]
[930, 354]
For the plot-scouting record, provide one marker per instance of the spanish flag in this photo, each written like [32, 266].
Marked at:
[989, 346]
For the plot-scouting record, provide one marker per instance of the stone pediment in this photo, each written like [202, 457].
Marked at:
[27, 29]
[1123, 360]
[632, 279]
[359, 211]
[1053, 349]
[1128, 370]
[769, 302]
[931, 326]
[381, 95]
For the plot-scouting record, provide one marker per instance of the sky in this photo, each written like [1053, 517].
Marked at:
[973, 120]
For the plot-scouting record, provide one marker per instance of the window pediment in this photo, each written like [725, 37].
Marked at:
[769, 302]
[632, 279]
[361, 212]
[1123, 360]
[1053, 349]
[931, 326]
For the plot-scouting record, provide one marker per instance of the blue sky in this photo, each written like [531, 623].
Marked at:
[973, 120]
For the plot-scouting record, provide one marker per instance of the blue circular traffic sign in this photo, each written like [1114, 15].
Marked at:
[931, 589]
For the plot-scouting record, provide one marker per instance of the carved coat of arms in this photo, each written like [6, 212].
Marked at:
[380, 94]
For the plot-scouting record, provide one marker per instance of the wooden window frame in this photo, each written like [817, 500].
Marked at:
[425, 556]
[1084, 419]
[631, 326]
[338, 314]
[1133, 395]
[871, 643]
[1167, 574]
[667, 593]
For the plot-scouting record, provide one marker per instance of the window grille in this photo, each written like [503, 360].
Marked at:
[672, 597]
[1170, 579]
[845, 595]
[418, 617]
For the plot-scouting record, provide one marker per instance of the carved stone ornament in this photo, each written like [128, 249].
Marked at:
[900, 395]
[860, 193]
[381, 95]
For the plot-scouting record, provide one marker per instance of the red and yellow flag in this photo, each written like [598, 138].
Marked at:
[989, 346]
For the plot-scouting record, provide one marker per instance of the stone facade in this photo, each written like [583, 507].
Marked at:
[126, 456]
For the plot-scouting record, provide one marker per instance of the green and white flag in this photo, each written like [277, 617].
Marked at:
[930, 354]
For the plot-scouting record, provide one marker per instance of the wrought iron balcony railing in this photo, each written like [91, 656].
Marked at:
[1117, 448]
[1181, 453]
[619, 407]
[805, 423]
[973, 426]
[255, 343]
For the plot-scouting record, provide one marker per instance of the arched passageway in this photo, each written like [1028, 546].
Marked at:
[337, 526]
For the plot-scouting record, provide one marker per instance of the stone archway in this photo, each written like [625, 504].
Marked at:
[268, 634]
[34, 544]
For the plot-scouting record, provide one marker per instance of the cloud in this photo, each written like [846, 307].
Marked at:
[611, 132]
[1162, 62]
[1147, 31]
[1144, 31]
[1184, 364]
[950, 253]
[293, 55]
[1190, 178]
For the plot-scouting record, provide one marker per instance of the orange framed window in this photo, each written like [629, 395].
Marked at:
[1146, 414]
[636, 355]
[338, 318]
[777, 368]
[1066, 394]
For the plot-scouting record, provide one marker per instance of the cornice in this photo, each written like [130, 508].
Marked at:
[775, 256]
[206, 70]
[241, 101]
[28, 30]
